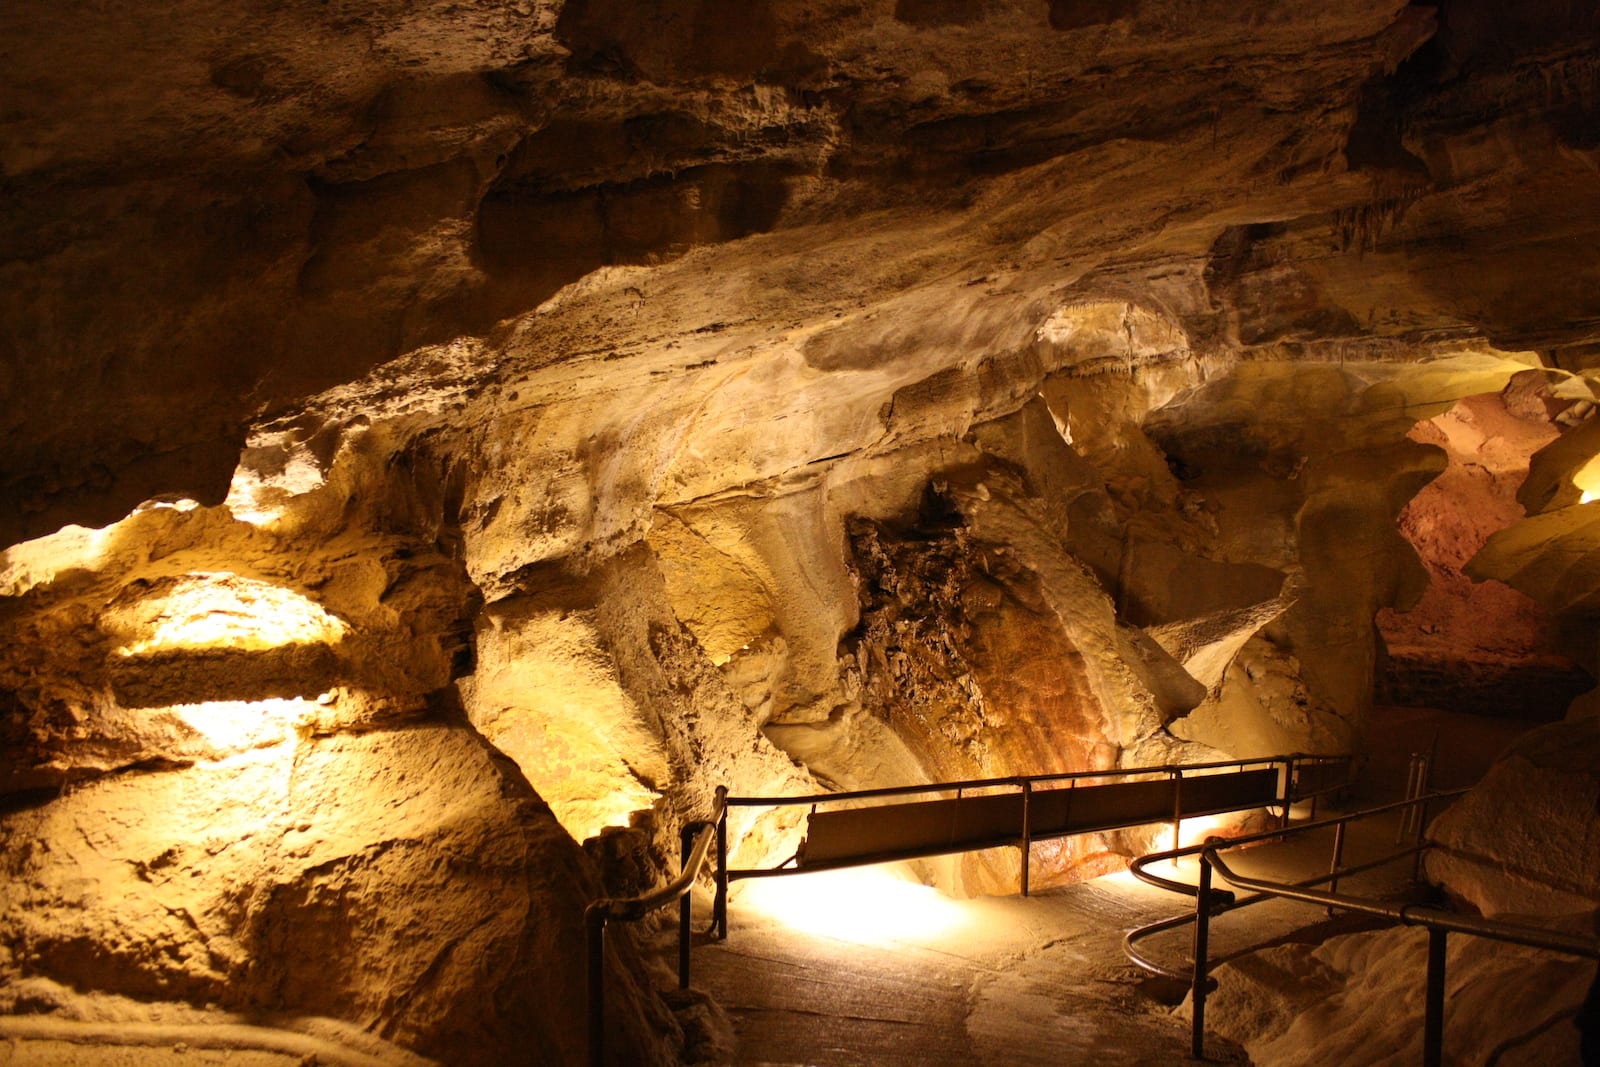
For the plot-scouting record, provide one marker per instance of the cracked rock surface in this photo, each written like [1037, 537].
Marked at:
[474, 433]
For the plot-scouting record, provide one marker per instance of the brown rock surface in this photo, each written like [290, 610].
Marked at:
[1526, 840]
[1475, 646]
[674, 395]
[1357, 998]
[255, 203]
[1522, 845]
[383, 878]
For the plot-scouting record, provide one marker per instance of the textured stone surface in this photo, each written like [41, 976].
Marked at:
[383, 878]
[1358, 998]
[257, 202]
[1520, 846]
[1478, 645]
[663, 394]
[1526, 840]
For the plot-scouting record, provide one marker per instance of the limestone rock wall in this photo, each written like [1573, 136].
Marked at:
[1539, 852]
[239, 778]
[255, 204]
[1038, 564]
[404, 880]
[732, 565]
[1358, 998]
[1477, 645]
[620, 400]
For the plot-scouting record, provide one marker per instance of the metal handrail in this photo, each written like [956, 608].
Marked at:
[1137, 866]
[1223, 901]
[695, 840]
[1414, 914]
[1439, 922]
[1219, 901]
[1018, 781]
[1288, 794]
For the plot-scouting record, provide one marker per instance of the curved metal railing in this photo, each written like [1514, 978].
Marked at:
[696, 841]
[1438, 921]
[1222, 900]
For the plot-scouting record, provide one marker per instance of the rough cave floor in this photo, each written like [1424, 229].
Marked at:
[1012, 981]
[993, 980]
[920, 979]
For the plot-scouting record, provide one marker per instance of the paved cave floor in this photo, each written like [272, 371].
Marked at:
[864, 967]
[919, 978]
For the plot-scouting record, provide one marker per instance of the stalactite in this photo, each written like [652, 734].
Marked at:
[1363, 226]
[1574, 80]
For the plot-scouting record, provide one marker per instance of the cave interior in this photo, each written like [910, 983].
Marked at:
[443, 444]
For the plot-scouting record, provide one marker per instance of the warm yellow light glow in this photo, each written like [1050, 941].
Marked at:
[546, 693]
[1123, 880]
[183, 505]
[1587, 480]
[36, 562]
[1195, 830]
[237, 724]
[206, 609]
[260, 500]
[867, 905]
[279, 465]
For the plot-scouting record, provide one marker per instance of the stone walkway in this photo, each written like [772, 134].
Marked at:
[905, 975]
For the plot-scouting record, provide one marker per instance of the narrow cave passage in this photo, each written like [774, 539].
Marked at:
[1474, 663]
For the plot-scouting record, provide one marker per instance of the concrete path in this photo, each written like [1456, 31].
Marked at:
[861, 967]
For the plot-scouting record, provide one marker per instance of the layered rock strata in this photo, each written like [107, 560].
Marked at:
[467, 431]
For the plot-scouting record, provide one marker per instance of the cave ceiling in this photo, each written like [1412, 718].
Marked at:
[447, 213]
[443, 444]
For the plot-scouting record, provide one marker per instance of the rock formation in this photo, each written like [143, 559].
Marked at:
[438, 434]
[1520, 846]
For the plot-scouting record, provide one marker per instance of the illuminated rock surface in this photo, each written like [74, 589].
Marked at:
[1474, 645]
[584, 405]
[1525, 840]
[1358, 998]
[238, 883]
[1521, 846]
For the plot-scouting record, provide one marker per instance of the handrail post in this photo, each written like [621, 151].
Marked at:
[686, 838]
[695, 839]
[594, 921]
[1288, 790]
[1421, 812]
[719, 906]
[1177, 807]
[1413, 790]
[1433, 1004]
[1202, 937]
[1027, 833]
[1338, 861]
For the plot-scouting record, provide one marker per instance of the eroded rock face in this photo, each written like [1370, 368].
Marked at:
[255, 204]
[1358, 998]
[277, 805]
[570, 379]
[406, 880]
[1520, 846]
[1468, 645]
[1526, 840]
